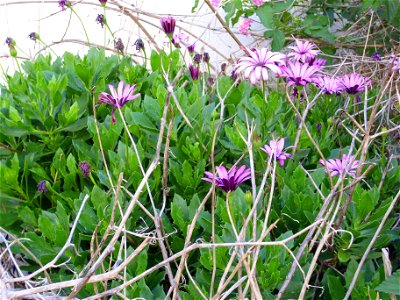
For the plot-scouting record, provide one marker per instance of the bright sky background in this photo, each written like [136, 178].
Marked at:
[18, 18]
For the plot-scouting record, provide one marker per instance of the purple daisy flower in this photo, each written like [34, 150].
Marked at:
[228, 181]
[41, 187]
[103, 2]
[347, 165]
[194, 72]
[119, 45]
[168, 25]
[197, 58]
[320, 62]
[101, 20]
[139, 44]
[353, 83]
[63, 4]
[119, 97]
[376, 56]
[190, 48]
[396, 64]
[85, 168]
[33, 36]
[328, 85]
[10, 42]
[298, 73]
[303, 51]
[275, 149]
[179, 38]
[255, 66]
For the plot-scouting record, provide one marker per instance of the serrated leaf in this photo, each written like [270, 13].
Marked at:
[391, 285]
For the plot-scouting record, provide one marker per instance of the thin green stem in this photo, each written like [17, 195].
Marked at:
[83, 26]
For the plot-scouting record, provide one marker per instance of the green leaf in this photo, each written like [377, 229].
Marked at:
[47, 225]
[179, 212]
[336, 288]
[278, 40]
[27, 216]
[391, 285]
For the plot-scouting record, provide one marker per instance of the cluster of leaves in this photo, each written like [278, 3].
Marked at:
[320, 20]
[49, 126]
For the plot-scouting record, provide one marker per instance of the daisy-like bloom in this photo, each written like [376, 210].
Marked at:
[228, 181]
[190, 48]
[328, 85]
[215, 3]
[119, 45]
[258, 2]
[118, 97]
[353, 83]
[376, 56]
[275, 149]
[179, 38]
[206, 57]
[41, 187]
[256, 64]
[33, 36]
[396, 64]
[303, 51]
[139, 44]
[244, 26]
[103, 2]
[298, 73]
[347, 165]
[101, 19]
[85, 168]
[10, 42]
[168, 25]
[194, 72]
[320, 62]
[63, 4]
[197, 58]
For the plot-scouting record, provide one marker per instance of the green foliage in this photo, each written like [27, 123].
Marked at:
[50, 127]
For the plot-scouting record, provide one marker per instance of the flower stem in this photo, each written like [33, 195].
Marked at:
[80, 20]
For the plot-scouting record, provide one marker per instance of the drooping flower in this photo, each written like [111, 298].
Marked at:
[41, 187]
[118, 97]
[139, 44]
[63, 4]
[190, 48]
[10, 42]
[168, 25]
[303, 51]
[11, 45]
[347, 165]
[119, 45]
[255, 66]
[179, 38]
[353, 83]
[33, 36]
[206, 57]
[275, 149]
[298, 73]
[376, 56]
[228, 181]
[244, 26]
[258, 2]
[197, 58]
[85, 168]
[328, 85]
[101, 19]
[194, 72]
